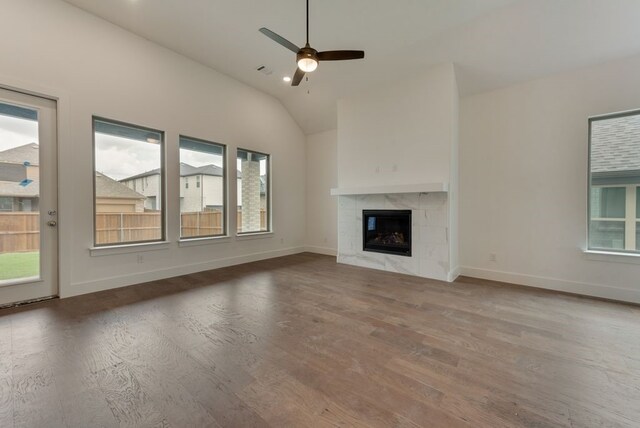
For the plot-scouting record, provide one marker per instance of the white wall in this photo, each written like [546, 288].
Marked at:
[96, 68]
[523, 175]
[322, 176]
[398, 134]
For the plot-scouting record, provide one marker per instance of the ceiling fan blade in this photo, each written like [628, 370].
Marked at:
[297, 78]
[279, 39]
[339, 55]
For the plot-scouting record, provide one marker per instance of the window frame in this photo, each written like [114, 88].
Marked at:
[163, 184]
[225, 191]
[631, 218]
[269, 229]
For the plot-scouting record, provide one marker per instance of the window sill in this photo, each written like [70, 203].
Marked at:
[612, 256]
[129, 248]
[209, 240]
[253, 235]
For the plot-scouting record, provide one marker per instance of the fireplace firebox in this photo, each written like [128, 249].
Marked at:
[387, 231]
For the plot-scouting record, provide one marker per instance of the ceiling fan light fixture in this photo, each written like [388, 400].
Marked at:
[307, 64]
[307, 57]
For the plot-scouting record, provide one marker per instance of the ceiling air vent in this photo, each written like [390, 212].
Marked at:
[265, 70]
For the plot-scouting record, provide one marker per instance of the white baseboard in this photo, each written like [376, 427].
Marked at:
[453, 274]
[131, 279]
[595, 290]
[322, 250]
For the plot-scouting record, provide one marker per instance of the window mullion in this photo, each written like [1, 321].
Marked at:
[630, 219]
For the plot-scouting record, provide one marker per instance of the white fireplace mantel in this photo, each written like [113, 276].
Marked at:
[391, 189]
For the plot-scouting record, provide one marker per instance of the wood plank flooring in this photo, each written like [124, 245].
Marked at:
[301, 341]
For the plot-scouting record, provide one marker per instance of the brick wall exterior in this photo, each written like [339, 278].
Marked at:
[250, 196]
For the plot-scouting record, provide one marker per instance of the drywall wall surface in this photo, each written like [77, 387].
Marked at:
[400, 133]
[96, 68]
[322, 208]
[523, 179]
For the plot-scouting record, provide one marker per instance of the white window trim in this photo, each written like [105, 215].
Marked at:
[108, 250]
[208, 240]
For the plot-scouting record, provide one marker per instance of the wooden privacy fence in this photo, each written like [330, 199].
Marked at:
[210, 223]
[19, 231]
[114, 228]
[201, 223]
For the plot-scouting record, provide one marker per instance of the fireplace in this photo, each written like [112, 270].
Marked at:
[387, 231]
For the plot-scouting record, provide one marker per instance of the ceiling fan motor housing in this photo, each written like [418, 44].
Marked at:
[307, 52]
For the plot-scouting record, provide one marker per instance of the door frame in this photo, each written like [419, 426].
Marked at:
[46, 284]
[64, 181]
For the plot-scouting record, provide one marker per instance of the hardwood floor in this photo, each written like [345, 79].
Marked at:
[301, 341]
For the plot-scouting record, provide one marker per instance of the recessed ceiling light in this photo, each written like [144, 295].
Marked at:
[286, 79]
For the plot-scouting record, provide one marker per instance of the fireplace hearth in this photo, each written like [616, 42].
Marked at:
[387, 231]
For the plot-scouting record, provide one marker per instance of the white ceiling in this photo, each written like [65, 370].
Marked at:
[492, 42]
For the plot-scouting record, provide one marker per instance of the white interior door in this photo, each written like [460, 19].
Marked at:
[28, 198]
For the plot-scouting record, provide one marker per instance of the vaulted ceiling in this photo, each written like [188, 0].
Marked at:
[492, 42]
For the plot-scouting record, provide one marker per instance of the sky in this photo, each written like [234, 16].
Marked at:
[16, 132]
[120, 157]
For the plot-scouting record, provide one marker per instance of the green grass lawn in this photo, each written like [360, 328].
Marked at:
[19, 265]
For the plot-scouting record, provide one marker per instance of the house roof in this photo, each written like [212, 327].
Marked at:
[14, 189]
[186, 170]
[107, 187]
[615, 145]
[20, 155]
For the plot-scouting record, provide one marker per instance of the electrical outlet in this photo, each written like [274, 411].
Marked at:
[493, 257]
[140, 258]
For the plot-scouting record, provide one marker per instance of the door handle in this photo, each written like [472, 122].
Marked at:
[52, 223]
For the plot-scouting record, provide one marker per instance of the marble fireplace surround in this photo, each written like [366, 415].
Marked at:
[429, 216]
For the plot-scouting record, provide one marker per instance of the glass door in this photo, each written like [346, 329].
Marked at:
[28, 198]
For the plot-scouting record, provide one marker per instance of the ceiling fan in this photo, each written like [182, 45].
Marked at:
[307, 57]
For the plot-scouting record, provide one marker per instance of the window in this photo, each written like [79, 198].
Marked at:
[614, 182]
[253, 192]
[6, 203]
[123, 154]
[206, 161]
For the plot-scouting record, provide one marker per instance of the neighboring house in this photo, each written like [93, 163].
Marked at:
[615, 152]
[20, 186]
[147, 184]
[20, 163]
[114, 197]
[201, 188]
[19, 178]
[15, 196]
